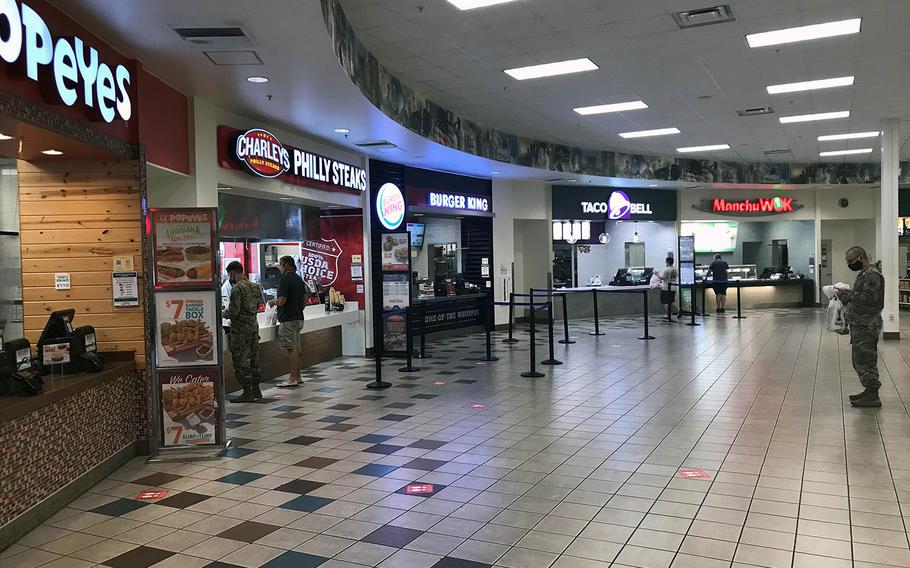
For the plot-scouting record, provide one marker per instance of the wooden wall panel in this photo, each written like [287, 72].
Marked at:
[76, 217]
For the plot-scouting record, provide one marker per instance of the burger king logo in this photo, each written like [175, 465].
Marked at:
[263, 153]
[390, 206]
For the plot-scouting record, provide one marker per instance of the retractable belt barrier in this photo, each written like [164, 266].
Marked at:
[558, 292]
[705, 284]
[533, 373]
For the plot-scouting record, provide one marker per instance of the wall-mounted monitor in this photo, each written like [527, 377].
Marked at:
[417, 231]
[711, 236]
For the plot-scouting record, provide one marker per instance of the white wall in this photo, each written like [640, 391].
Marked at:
[517, 200]
[532, 262]
[658, 237]
[861, 203]
[845, 234]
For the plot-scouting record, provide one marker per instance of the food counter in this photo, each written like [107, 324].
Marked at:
[611, 301]
[327, 335]
[761, 293]
[98, 421]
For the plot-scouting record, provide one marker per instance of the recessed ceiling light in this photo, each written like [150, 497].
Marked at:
[52, 152]
[496, 172]
[708, 148]
[5, 137]
[804, 33]
[615, 107]
[343, 130]
[652, 185]
[471, 4]
[571, 180]
[552, 69]
[848, 136]
[257, 79]
[810, 85]
[646, 133]
[846, 152]
[286, 198]
[814, 117]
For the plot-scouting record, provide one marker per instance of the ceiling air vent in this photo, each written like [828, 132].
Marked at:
[216, 38]
[703, 17]
[382, 146]
[757, 111]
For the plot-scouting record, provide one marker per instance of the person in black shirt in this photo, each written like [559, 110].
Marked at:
[290, 300]
[719, 269]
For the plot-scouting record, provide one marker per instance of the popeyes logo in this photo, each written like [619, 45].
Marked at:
[759, 206]
[262, 153]
[390, 206]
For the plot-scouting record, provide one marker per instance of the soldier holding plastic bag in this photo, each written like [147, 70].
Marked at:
[864, 303]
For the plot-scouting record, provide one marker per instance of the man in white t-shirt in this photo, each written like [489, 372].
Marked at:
[667, 278]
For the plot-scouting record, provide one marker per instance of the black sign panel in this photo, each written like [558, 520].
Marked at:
[613, 204]
[449, 316]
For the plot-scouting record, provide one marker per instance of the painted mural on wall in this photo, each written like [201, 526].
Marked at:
[424, 117]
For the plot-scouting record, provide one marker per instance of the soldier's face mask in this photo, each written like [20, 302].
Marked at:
[855, 265]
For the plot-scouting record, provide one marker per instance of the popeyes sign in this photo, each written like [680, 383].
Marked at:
[749, 207]
[65, 66]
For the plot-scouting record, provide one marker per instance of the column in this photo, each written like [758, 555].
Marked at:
[887, 227]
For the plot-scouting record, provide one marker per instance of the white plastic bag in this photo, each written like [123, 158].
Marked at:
[271, 315]
[655, 281]
[828, 291]
[835, 317]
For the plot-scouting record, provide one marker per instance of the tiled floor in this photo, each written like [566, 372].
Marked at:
[724, 445]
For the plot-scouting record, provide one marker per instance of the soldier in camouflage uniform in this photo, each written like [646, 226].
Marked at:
[863, 304]
[243, 340]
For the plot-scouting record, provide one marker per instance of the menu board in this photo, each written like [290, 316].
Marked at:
[184, 247]
[395, 252]
[189, 407]
[395, 292]
[185, 327]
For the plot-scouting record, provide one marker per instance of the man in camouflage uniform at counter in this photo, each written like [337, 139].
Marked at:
[863, 304]
[243, 339]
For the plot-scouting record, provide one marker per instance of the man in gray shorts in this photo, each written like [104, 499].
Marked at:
[290, 300]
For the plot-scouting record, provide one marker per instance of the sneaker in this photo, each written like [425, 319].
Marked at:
[870, 400]
[257, 394]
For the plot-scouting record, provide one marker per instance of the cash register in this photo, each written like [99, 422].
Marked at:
[17, 374]
[64, 349]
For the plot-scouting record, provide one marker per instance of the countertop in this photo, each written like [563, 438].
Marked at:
[116, 364]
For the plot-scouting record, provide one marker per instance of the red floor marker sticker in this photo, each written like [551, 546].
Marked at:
[478, 405]
[152, 495]
[419, 489]
[693, 474]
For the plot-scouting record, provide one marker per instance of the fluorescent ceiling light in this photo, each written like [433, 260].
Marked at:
[848, 136]
[816, 116]
[471, 4]
[646, 133]
[5, 137]
[615, 107]
[342, 130]
[804, 33]
[257, 79]
[847, 152]
[52, 152]
[810, 85]
[704, 148]
[551, 69]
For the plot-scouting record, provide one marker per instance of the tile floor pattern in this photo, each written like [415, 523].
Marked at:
[575, 470]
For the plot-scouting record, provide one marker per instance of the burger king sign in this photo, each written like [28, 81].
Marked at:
[390, 206]
[263, 153]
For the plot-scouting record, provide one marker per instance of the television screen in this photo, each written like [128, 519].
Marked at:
[417, 231]
[711, 236]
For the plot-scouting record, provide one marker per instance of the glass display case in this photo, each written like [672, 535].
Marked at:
[735, 272]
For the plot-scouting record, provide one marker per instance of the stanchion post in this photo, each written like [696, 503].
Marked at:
[647, 335]
[739, 304]
[693, 308]
[596, 316]
[377, 349]
[511, 339]
[488, 324]
[409, 366]
[533, 374]
[552, 359]
[565, 320]
[423, 331]
[704, 299]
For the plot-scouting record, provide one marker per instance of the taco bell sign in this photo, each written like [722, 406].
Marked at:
[618, 206]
